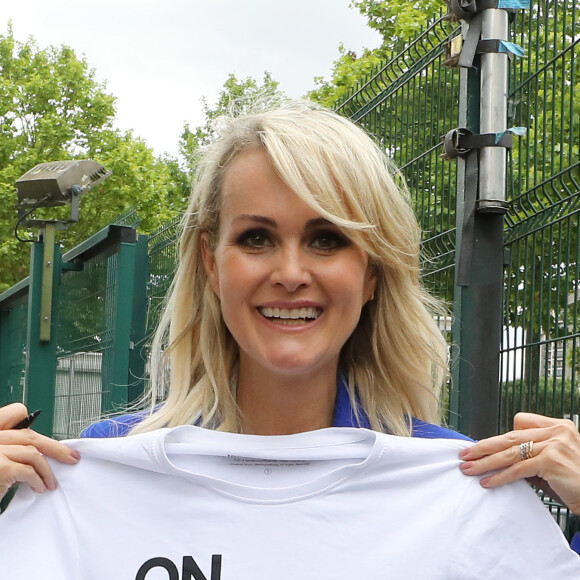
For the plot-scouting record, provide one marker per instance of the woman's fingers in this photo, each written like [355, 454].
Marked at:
[528, 427]
[484, 461]
[506, 442]
[555, 457]
[23, 453]
[12, 414]
[531, 420]
[22, 459]
[24, 464]
[46, 445]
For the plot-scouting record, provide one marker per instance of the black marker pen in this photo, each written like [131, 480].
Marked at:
[27, 421]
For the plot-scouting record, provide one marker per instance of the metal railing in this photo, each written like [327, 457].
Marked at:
[540, 349]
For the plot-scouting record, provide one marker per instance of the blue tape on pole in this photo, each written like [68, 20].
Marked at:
[518, 131]
[514, 4]
[516, 50]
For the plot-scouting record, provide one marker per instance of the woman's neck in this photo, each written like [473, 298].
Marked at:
[271, 405]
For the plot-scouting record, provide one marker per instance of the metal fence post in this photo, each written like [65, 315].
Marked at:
[41, 355]
[121, 310]
[477, 330]
[138, 352]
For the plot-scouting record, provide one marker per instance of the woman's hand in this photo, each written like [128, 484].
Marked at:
[22, 453]
[553, 467]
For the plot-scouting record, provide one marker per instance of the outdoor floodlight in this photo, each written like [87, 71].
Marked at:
[51, 185]
[57, 183]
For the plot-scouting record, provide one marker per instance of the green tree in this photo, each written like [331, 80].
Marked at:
[236, 97]
[52, 108]
[397, 21]
[347, 72]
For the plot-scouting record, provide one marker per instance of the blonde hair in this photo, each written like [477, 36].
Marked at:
[396, 359]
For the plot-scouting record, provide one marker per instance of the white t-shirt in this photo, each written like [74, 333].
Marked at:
[339, 503]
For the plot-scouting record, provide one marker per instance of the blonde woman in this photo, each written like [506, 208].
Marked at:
[336, 245]
[387, 360]
[297, 306]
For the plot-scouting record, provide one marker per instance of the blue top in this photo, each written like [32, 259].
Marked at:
[575, 545]
[344, 416]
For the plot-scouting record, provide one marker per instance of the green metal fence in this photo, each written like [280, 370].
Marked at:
[409, 105]
[540, 357]
[13, 317]
[86, 368]
[161, 266]
[539, 354]
[108, 297]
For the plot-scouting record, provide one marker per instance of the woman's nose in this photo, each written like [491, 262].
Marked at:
[291, 269]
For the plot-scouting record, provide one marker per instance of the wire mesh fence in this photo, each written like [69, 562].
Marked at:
[84, 339]
[13, 323]
[540, 348]
[162, 262]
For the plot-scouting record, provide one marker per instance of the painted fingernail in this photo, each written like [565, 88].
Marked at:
[484, 481]
[75, 454]
[467, 465]
[464, 453]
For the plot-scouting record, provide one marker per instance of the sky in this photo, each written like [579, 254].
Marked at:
[160, 57]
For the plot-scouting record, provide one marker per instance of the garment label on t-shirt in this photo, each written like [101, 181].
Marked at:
[267, 466]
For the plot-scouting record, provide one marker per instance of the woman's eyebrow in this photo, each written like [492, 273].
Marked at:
[267, 221]
[256, 218]
[317, 222]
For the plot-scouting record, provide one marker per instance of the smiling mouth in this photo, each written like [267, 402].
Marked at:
[291, 316]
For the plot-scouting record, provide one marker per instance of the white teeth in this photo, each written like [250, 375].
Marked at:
[291, 313]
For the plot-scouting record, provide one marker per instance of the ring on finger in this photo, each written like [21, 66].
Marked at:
[527, 450]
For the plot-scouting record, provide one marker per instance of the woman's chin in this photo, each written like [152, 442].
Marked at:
[297, 363]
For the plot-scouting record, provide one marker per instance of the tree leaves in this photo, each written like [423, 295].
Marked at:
[398, 22]
[237, 96]
[52, 108]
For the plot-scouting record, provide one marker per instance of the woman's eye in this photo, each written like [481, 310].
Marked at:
[328, 241]
[254, 239]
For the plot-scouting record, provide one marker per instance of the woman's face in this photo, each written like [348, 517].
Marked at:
[291, 284]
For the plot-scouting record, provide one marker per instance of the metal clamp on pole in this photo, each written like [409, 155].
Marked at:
[488, 22]
[494, 45]
[462, 142]
[475, 42]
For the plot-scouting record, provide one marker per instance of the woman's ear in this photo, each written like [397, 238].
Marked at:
[370, 284]
[209, 264]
